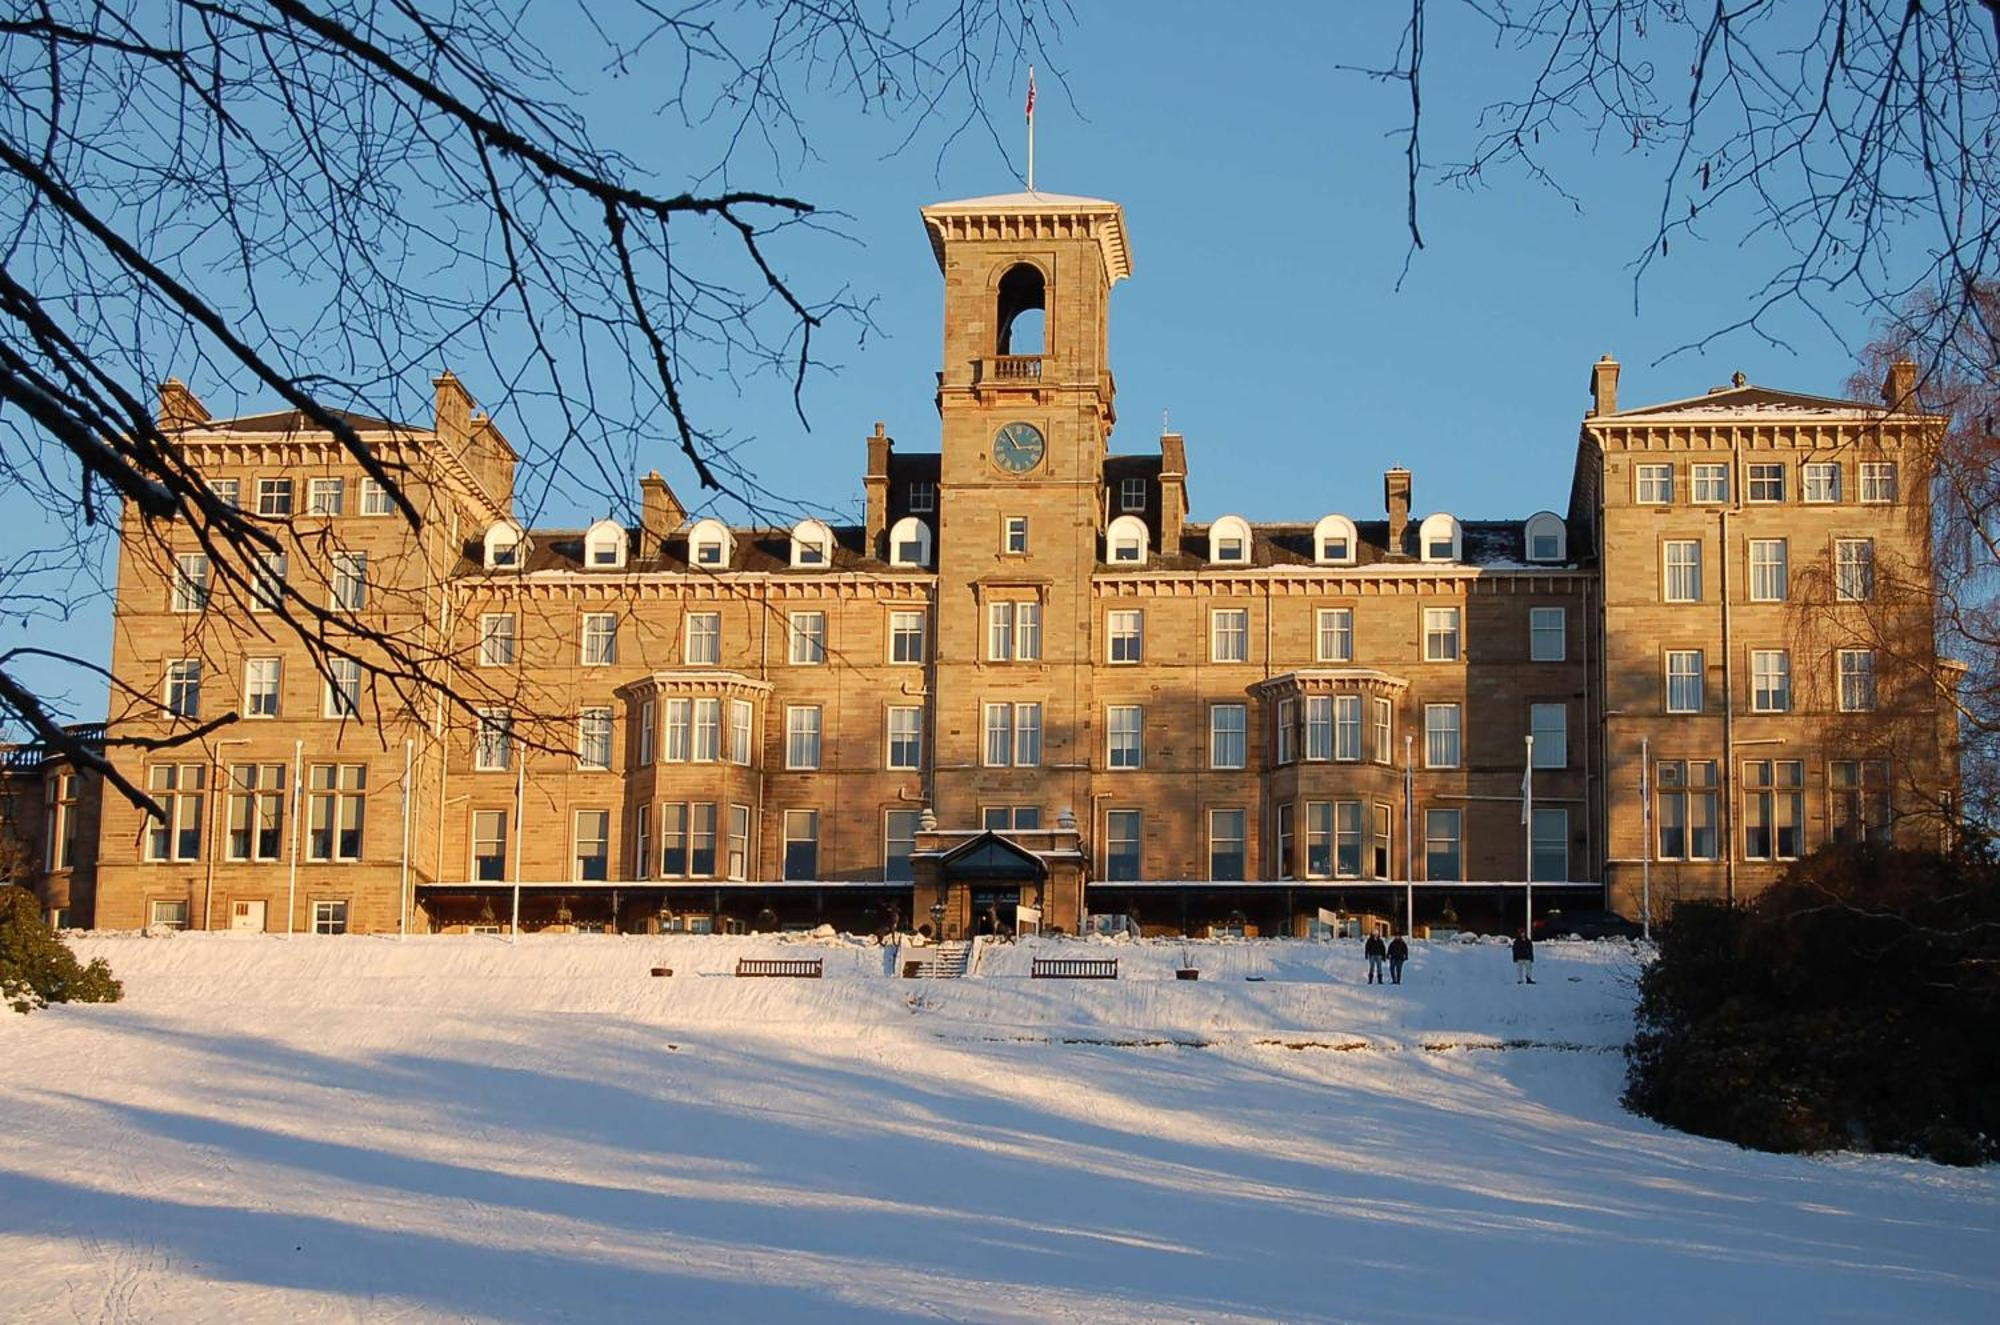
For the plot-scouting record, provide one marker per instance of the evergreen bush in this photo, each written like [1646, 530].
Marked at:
[36, 966]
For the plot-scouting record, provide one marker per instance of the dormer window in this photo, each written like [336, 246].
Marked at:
[1125, 541]
[923, 497]
[1132, 494]
[710, 544]
[1229, 541]
[604, 546]
[1334, 541]
[1546, 538]
[910, 543]
[505, 544]
[1441, 538]
[812, 545]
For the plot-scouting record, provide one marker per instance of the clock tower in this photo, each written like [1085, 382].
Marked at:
[1025, 403]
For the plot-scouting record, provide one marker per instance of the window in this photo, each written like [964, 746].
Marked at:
[1121, 845]
[1225, 844]
[1132, 494]
[812, 545]
[168, 915]
[1334, 541]
[496, 639]
[1319, 727]
[808, 635]
[1711, 482]
[228, 491]
[738, 863]
[1385, 722]
[701, 840]
[1546, 537]
[1442, 845]
[673, 841]
[923, 496]
[1440, 538]
[703, 643]
[1859, 791]
[1319, 839]
[906, 738]
[1820, 480]
[1283, 830]
[802, 736]
[1857, 680]
[335, 803]
[1774, 809]
[343, 688]
[649, 714]
[1125, 541]
[1229, 541]
[1228, 735]
[329, 917]
[592, 857]
[1655, 484]
[1441, 736]
[1336, 634]
[1767, 570]
[1854, 569]
[1013, 632]
[190, 592]
[906, 637]
[1123, 730]
[1878, 480]
[899, 840]
[1229, 635]
[1010, 818]
[1549, 725]
[493, 746]
[350, 581]
[503, 546]
[642, 842]
[183, 691]
[710, 544]
[375, 499]
[325, 496]
[489, 845]
[1347, 839]
[1548, 846]
[1548, 634]
[1126, 631]
[1381, 862]
[680, 730]
[256, 812]
[267, 582]
[740, 718]
[687, 840]
[600, 639]
[1770, 681]
[707, 731]
[910, 542]
[1684, 681]
[1766, 481]
[1013, 735]
[1687, 810]
[1288, 731]
[1014, 535]
[801, 844]
[1441, 641]
[60, 839]
[593, 739]
[274, 496]
[1683, 567]
[1347, 727]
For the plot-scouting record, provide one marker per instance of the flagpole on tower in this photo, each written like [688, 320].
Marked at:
[1031, 128]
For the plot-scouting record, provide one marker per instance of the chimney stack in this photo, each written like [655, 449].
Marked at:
[1173, 491]
[1396, 496]
[875, 486]
[1604, 386]
[1899, 389]
[660, 512]
[454, 411]
[178, 406]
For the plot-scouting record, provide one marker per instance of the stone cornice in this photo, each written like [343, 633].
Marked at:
[698, 681]
[1327, 680]
[656, 586]
[1889, 432]
[1328, 582]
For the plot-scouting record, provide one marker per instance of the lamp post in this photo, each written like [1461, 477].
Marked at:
[937, 919]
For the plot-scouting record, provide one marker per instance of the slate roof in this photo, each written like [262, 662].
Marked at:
[294, 421]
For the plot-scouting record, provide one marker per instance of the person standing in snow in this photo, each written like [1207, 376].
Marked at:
[1524, 959]
[1374, 952]
[1399, 952]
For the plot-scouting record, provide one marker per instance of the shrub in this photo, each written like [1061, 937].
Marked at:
[36, 966]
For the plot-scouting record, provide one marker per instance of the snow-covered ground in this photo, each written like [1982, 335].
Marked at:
[456, 1128]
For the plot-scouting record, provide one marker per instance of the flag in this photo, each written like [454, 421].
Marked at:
[1031, 92]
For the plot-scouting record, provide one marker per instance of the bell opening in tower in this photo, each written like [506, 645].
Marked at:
[1022, 315]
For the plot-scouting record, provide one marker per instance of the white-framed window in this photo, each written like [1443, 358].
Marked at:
[256, 813]
[906, 637]
[801, 844]
[1125, 541]
[1382, 854]
[1682, 561]
[1774, 809]
[910, 542]
[1347, 839]
[906, 738]
[1334, 541]
[1124, 725]
[593, 739]
[1548, 846]
[1319, 839]
[1655, 484]
[737, 863]
[1819, 480]
[262, 680]
[375, 498]
[812, 545]
[1013, 735]
[1385, 730]
[267, 581]
[1549, 725]
[1765, 481]
[802, 735]
[707, 731]
[1770, 681]
[710, 544]
[1441, 538]
[274, 496]
[183, 688]
[167, 914]
[1441, 634]
[1335, 635]
[1284, 829]
[325, 496]
[702, 643]
[591, 856]
[1768, 570]
[680, 731]
[899, 842]
[350, 581]
[1548, 634]
[228, 491]
[1347, 727]
[1229, 541]
[1545, 537]
[1125, 634]
[343, 688]
[1132, 495]
[1027, 735]
[1229, 635]
[1857, 680]
[496, 639]
[1288, 731]
[1878, 481]
[1854, 569]
[493, 744]
[503, 545]
[177, 789]
[1710, 481]
[1010, 818]
[642, 842]
[923, 496]
[649, 717]
[1014, 535]
[604, 545]
[1228, 735]
[1123, 838]
[1227, 840]
[336, 811]
[190, 589]
[489, 845]
[1858, 801]
[1444, 845]
[1441, 732]
[687, 840]
[1685, 807]
[1013, 631]
[600, 639]
[741, 716]
[1685, 678]
[808, 638]
[1319, 728]
[330, 916]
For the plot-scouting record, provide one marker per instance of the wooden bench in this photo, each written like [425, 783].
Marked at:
[793, 968]
[1075, 968]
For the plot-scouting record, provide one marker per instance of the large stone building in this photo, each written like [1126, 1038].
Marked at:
[1028, 685]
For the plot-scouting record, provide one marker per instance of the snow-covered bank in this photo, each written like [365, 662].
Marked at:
[458, 1128]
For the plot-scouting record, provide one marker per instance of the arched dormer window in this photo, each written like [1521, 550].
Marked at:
[1440, 538]
[910, 542]
[1021, 317]
[1229, 541]
[1334, 541]
[604, 546]
[506, 546]
[710, 544]
[1125, 541]
[1546, 538]
[812, 545]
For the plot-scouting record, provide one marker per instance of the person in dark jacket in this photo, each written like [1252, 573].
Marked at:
[1524, 959]
[1374, 952]
[1399, 952]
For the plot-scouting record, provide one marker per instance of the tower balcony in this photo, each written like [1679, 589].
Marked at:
[1008, 370]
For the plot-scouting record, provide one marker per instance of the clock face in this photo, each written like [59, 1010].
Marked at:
[1018, 447]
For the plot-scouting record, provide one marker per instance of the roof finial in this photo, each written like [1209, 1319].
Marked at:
[1737, 379]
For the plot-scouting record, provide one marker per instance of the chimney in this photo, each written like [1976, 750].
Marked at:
[454, 410]
[660, 513]
[178, 406]
[1899, 389]
[1396, 496]
[1173, 491]
[1604, 386]
[875, 485]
